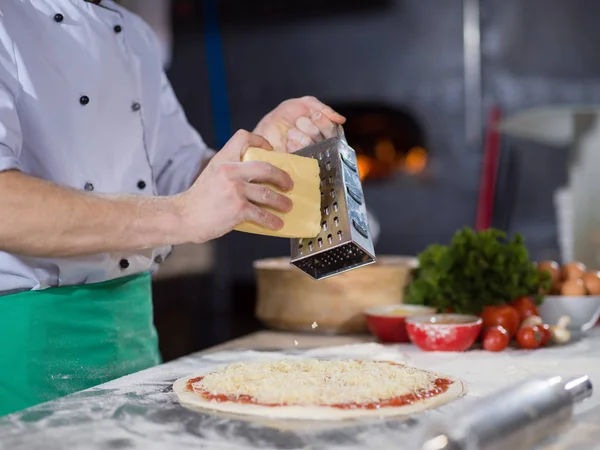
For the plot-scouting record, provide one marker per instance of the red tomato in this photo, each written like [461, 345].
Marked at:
[530, 337]
[504, 315]
[546, 334]
[495, 339]
[525, 307]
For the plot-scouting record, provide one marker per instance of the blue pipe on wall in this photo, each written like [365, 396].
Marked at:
[216, 72]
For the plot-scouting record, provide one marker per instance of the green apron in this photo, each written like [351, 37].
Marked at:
[61, 340]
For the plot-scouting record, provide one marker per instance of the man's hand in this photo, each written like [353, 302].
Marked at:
[226, 194]
[298, 122]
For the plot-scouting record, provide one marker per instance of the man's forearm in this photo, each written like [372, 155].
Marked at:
[39, 218]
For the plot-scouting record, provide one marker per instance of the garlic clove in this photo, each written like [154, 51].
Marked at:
[532, 321]
[560, 336]
[563, 322]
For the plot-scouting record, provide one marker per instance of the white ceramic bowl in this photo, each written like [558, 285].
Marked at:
[584, 311]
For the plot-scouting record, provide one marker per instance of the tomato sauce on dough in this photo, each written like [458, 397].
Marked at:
[441, 385]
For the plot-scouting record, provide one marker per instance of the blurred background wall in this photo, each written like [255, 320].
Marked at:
[417, 79]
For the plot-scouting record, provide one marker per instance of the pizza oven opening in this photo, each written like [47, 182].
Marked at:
[388, 140]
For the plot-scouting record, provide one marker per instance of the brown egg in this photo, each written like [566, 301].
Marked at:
[556, 288]
[573, 270]
[552, 267]
[591, 280]
[573, 288]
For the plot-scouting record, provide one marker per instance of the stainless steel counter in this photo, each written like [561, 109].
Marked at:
[140, 411]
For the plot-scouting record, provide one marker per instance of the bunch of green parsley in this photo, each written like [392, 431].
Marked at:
[477, 269]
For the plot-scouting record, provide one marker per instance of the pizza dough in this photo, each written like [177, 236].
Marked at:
[316, 389]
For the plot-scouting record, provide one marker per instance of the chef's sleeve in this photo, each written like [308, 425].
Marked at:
[10, 130]
[181, 152]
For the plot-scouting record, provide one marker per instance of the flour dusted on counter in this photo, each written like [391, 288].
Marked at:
[142, 409]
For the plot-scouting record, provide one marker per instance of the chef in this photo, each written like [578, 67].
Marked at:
[100, 174]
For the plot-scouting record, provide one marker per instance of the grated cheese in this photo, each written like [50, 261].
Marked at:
[316, 382]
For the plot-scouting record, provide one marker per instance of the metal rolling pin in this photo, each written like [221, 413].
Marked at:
[516, 418]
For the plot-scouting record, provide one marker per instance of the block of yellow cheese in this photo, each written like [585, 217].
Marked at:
[304, 220]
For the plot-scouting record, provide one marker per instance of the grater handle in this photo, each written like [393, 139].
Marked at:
[340, 133]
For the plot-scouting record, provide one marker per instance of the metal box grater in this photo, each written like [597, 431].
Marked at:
[344, 242]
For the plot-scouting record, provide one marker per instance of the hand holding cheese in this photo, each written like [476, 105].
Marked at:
[304, 220]
[230, 192]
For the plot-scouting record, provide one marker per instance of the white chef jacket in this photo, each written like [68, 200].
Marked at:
[84, 103]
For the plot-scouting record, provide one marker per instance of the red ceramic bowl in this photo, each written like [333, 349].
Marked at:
[443, 332]
[387, 322]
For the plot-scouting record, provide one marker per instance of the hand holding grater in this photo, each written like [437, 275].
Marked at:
[344, 242]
